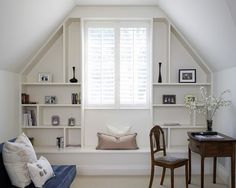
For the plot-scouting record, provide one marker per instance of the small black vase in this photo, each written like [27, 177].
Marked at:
[209, 125]
[159, 77]
[73, 80]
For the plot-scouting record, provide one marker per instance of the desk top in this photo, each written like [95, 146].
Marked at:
[210, 137]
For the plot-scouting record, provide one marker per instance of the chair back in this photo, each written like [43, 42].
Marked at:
[157, 141]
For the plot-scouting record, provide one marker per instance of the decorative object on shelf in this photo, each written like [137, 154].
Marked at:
[71, 121]
[189, 99]
[169, 99]
[159, 76]
[50, 100]
[55, 120]
[187, 75]
[74, 98]
[60, 142]
[79, 98]
[73, 80]
[45, 77]
[25, 98]
[208, 105]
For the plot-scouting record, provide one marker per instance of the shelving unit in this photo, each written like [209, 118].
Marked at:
[172, 50]
[57, 57]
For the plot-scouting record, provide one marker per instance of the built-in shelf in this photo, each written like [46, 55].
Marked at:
[52, 127]
[168, 105]
[51, 84]
[183, 127]
[51, 105]
[181, 84]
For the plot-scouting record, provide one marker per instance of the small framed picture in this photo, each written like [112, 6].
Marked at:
[189, 99]
[55, 120]
[169, 99]
[45, 77]
[187, 75]
[50, 100]
[71, 121]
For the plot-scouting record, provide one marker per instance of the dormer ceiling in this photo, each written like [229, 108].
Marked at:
[209, 26]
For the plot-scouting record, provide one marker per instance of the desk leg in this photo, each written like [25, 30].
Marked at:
[233, 169]
[189, 162]
[214, 169]
[202, 172]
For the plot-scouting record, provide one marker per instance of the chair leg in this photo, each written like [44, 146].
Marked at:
[172, 178]
[163, 175]
[186, 174]
[151, 177]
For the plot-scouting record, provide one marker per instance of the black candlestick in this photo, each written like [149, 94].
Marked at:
[159, 77]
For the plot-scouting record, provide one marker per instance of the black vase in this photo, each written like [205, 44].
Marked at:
[209, 125]
[73, 80]
[159, 77]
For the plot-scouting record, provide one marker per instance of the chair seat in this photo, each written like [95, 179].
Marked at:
[169, 160]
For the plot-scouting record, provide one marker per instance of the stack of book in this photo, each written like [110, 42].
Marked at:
[29, 118]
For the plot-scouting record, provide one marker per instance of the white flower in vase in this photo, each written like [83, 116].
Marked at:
[208, 105]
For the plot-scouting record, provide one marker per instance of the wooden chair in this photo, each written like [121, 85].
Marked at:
[157, 143]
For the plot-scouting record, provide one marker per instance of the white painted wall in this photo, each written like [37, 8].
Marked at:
[225, 119]
[25, 25]
[9, 105]
[208, 26]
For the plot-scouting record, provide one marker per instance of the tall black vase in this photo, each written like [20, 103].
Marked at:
[73, 80]
[209, 125]
[159, 77]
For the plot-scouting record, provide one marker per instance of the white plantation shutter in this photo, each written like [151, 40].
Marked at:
[133, 66]
[100, 62]
[117, 64]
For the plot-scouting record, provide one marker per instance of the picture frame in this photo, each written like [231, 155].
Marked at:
[71, 121]
[169, 99]
[187, 75]
[45, 77]
[50, 100]
[55, 120]
[189, 98]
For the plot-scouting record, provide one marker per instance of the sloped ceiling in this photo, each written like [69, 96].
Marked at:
[25, 26]
[209, 26]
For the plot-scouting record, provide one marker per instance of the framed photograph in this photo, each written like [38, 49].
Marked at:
[45, 77]
[71, 121]
[187, 75]
[50, 100]
[189, 98]
[55, 120]
[169, 99]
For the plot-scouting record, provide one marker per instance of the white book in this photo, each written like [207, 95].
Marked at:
[25, 120]
[30, 119]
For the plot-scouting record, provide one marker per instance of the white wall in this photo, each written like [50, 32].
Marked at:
[225, 119]
[9, 105]
[25, 25]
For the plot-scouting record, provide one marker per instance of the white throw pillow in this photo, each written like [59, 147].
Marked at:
[118, 131]
[40, 171]
[16, 155]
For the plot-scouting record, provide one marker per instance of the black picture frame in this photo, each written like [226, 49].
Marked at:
[169, 99]
[187, 75]
[50, 100]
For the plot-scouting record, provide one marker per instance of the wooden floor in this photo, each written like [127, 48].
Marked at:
[140, 182]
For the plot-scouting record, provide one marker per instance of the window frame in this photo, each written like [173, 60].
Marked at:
[117, 24]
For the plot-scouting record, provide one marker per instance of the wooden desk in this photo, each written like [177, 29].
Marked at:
[219, 147]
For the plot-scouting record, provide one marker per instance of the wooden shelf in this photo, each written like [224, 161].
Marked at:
[51, 105]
